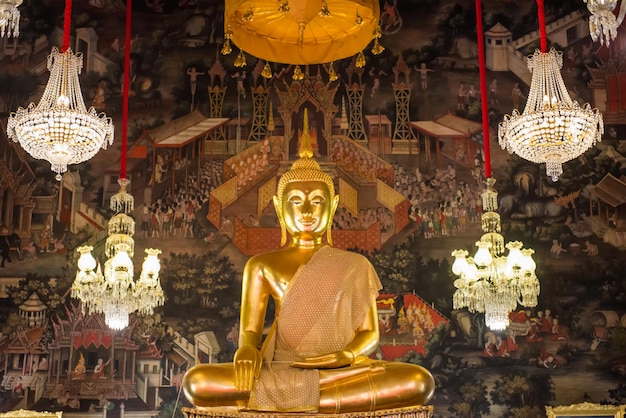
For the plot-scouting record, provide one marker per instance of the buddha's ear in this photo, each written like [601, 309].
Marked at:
[334, 205]
[281, 221]
[333, 208]
[276, 205]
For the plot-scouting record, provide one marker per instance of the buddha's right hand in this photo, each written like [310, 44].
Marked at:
[247, 362]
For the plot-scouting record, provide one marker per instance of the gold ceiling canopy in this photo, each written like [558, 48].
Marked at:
[301, 31]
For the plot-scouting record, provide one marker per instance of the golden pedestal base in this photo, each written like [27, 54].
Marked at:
[410, 412]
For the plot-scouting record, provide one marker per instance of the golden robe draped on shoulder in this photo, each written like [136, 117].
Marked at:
[324, 304]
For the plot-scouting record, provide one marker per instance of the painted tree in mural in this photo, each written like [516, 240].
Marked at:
[436, 284]
[618, 340]
[613, 282]
[473, 402]
[402, 269]
[435, 356]
[217, 277]
[9, 322]
[167, 409]
[474, 112]
[178, 275]
[16, 89]
[37, 19]
[46, 289]
[617, 396]
[523, 395]
[395, 269]
[203, 281]
[152, 329]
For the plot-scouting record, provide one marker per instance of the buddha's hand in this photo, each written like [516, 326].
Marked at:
[327, 361]
[247, 362]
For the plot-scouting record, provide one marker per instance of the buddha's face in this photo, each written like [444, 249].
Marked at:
[307, 209]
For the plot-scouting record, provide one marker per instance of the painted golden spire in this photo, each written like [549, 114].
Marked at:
[306, 149]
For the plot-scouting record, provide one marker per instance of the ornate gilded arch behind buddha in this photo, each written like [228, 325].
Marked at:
[316, 95]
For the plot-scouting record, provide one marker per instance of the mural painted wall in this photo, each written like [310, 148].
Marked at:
[408, 199]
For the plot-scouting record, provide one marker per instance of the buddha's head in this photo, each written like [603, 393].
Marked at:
[305, 200]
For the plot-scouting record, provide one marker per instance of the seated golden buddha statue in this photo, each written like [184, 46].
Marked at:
[315, 356]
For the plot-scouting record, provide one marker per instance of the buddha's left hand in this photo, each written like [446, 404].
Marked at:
[327, 361]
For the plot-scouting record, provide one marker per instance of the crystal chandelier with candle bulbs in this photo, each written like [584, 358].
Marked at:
[113, 291]
[60, 129]
[490, 281]
[553, 129]
[602, 23]
[10, 18]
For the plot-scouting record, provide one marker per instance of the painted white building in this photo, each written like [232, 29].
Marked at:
[206, 343]
[497, 40]
[504, 54]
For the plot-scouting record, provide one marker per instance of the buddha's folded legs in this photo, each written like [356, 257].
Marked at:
[364, 387]
[397, 385]
[208, 385]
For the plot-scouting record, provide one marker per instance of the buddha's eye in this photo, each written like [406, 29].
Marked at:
[317, 200]
[295, 200]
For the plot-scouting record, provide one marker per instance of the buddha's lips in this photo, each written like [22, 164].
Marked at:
[307, 223]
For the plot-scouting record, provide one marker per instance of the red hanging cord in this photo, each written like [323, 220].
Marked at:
[543, 37]
[126, 88]
[483, 87]
[67, 25]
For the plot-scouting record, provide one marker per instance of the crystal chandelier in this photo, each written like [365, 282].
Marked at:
[553, 129]
[602, 23]
[60, 129]
[490, 281]
[114, 292]
[9, 18]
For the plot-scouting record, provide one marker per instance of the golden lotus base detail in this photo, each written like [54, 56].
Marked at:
[410, 412]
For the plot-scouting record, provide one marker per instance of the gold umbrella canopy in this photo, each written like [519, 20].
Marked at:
[301, 31]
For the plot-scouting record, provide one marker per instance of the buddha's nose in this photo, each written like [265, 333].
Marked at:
[307, 210]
